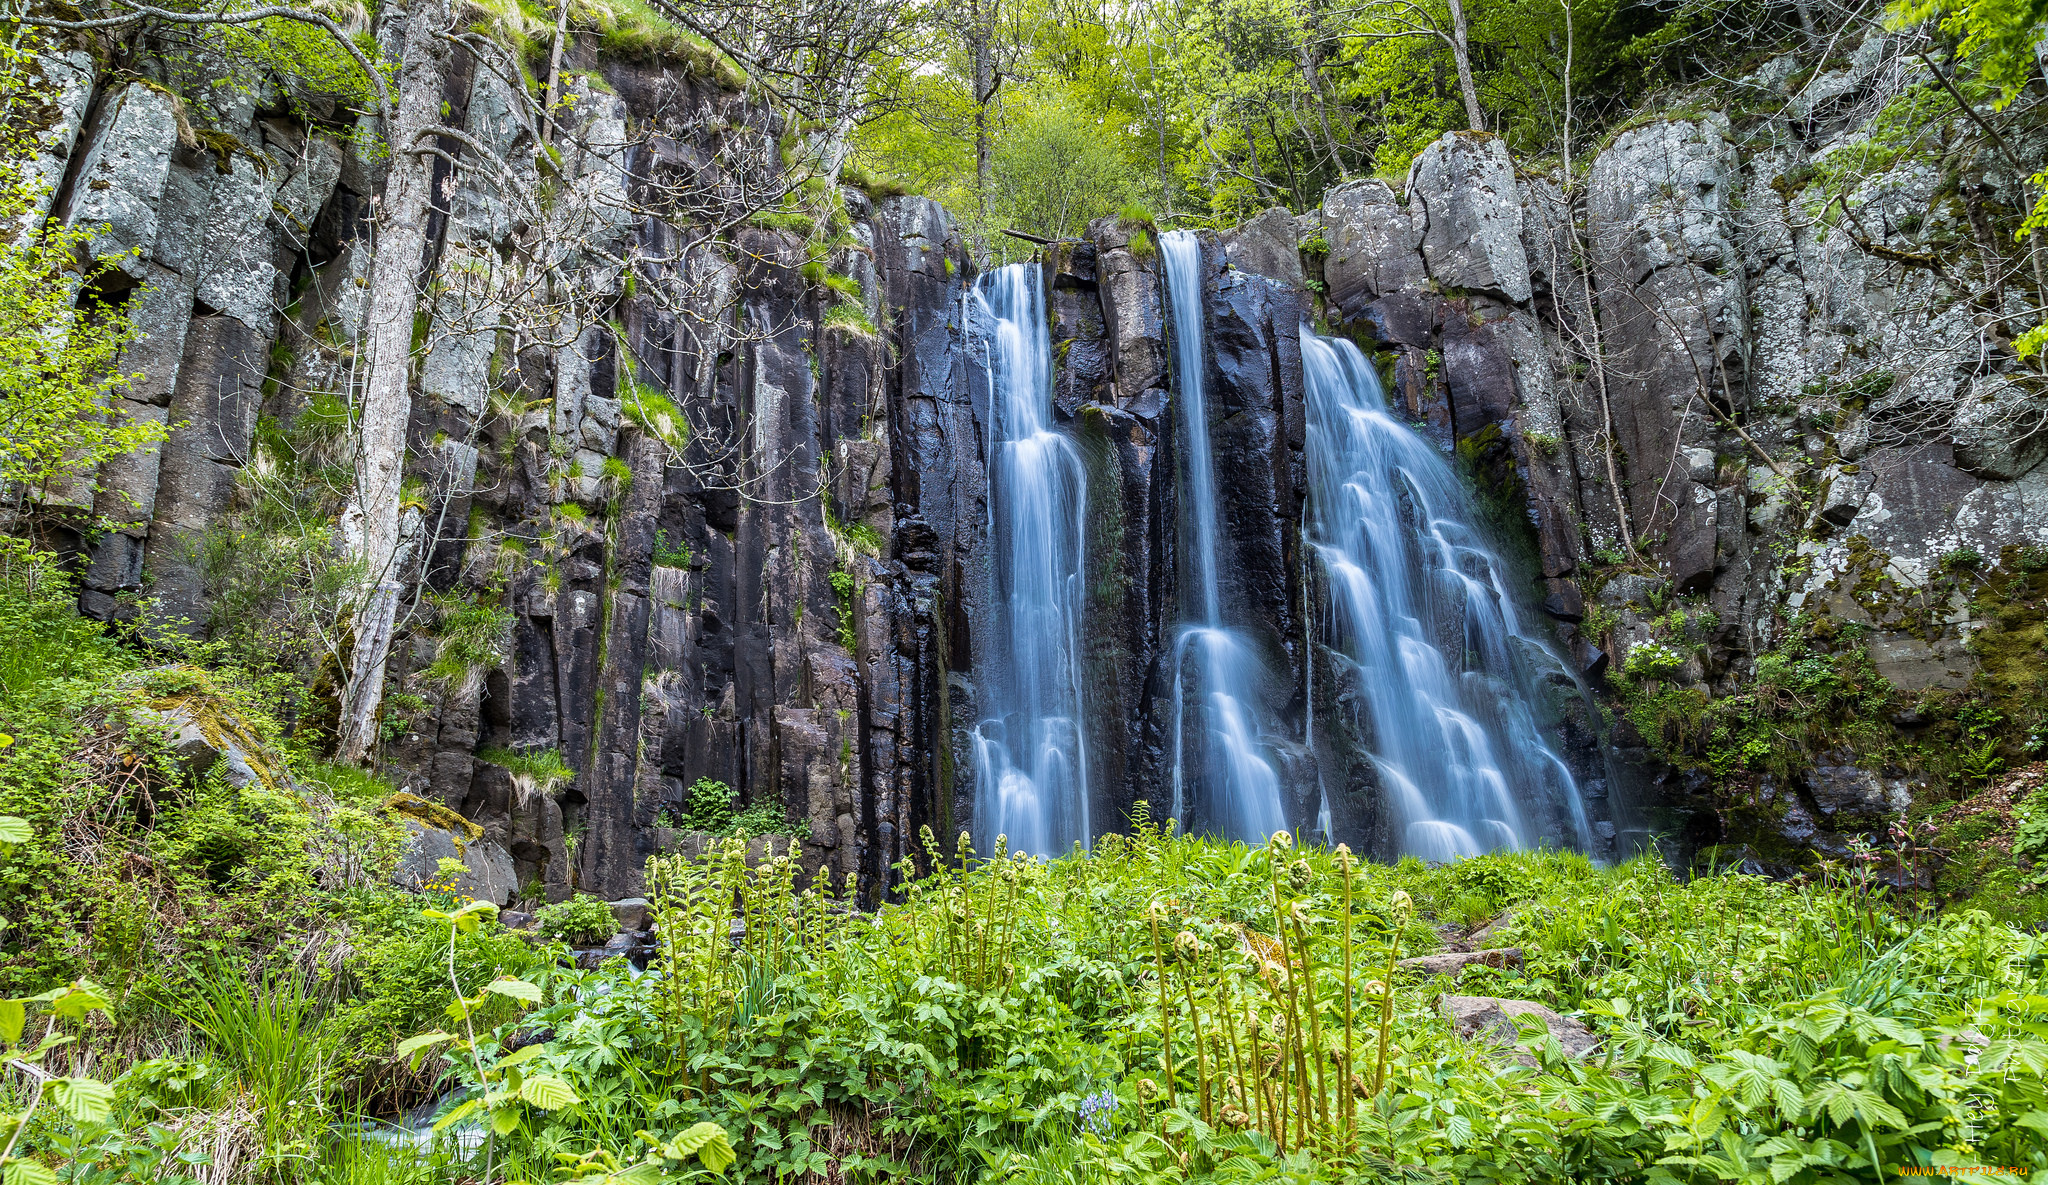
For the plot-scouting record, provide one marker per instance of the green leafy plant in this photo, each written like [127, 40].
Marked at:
[581, 919]
[506, 1087]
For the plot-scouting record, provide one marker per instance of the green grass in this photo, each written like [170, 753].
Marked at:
[544, 767]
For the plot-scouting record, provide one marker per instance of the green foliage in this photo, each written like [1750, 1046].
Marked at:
[714, 808]
[844, 586]
[1057, 168]
[851, 320]
[671, 555]
[580, 920]
[265, 1033]
[2000, 37]
[1800, 698]
[543, 768]
[474, 636]
[1019, 1013]
[60, 339]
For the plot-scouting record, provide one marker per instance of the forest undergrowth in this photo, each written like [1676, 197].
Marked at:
[217, 986]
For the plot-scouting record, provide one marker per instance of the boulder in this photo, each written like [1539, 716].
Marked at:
[205, 735]
[631, 912]
[1492, 1020]
[1455, 963]
[1463, 200]
[433, 834]
[1266, 246]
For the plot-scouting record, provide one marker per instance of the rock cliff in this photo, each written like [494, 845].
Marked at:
[1681, 385]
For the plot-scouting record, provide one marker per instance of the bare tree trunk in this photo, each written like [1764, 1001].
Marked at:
[1461, 51]
[981, 48]
[370, 524]
[554, 96]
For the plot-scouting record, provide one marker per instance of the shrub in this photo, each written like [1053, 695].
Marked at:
[580, 920]
[714, 808]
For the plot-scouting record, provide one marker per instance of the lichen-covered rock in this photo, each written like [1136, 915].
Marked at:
[487, 871]
[121, 180]
[1463, 200]
[208, 738]
[67, 77]
[2001, 426]
[236, 275]
[1375, 253]
[1492, 1020]
[1266, 246]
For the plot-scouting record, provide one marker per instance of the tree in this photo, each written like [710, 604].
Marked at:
[370, 525]
[61, 415]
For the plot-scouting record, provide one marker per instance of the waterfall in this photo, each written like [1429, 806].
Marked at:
[1241, 791]
[1418, 604]
[1030, 756]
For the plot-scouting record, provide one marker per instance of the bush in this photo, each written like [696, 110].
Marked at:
[579, 921]
[714, 808]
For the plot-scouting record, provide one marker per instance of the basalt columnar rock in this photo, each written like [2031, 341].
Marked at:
[1793, 418]
[790, 593]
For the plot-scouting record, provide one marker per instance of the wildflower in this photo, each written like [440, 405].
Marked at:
[1093, 1111]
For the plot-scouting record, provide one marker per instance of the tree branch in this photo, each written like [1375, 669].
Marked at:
[250, 16]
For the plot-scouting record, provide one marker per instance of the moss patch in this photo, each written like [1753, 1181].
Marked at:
[433, 814]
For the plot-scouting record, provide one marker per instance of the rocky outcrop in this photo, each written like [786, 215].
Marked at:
[1493, 1021]
[775, 574]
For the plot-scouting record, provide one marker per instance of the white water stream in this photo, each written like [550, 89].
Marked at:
[1030, 755]
[1418, 604]
[1216, 675]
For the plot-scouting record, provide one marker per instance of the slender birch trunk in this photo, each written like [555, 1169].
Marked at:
[1460, 50]
[370, 524]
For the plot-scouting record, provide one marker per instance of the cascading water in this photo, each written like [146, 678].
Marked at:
[1241, 794]
[1030, 755]
[1418, 604]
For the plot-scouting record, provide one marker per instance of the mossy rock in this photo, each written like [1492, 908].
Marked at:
[205, 729]
[433, 814]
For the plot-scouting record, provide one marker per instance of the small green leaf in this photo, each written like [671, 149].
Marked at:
[470, 916]
[74, 1000]
[14, 829]
[517, 989]
[22, 1171]
[457, 1114]
[13, 1014]
[646, 1172]
[521, 1056]
[548, 1092]
[503, 1122]
[87, 1100]
[413, 1045]
[712, 1146]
